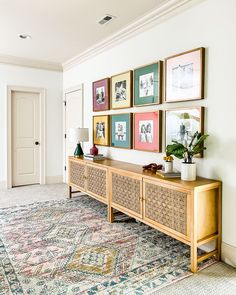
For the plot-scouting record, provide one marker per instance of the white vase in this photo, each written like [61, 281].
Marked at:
[188, 171]
[168, 166]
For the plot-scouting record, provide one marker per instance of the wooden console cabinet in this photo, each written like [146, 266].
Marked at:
[88, 178]
[187, 211]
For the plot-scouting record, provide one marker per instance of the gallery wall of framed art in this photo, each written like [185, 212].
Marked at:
[142, 86]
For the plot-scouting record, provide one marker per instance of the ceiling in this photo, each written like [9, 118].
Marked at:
[62, 29]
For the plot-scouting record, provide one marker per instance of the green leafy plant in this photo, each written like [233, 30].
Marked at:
[187, 152]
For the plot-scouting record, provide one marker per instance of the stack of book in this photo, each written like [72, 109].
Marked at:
[94, 157]
[173, 174]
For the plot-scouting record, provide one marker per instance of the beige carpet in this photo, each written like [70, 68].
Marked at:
[23, 195]
[218, 279]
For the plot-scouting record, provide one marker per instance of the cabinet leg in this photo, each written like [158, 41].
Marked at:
[110, 214]
[218, 241]
[193, 259]
[70, 191]
[218, 247]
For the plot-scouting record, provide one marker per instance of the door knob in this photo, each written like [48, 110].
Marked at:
[36, 143]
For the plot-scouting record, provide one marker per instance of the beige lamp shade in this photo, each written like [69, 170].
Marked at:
[79, 135]
[83, 134]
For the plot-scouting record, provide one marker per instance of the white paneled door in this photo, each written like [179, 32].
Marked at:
[73, 119]
[25, 138]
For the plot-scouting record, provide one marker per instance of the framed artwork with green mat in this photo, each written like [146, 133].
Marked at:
[121, 131]
[148, 84]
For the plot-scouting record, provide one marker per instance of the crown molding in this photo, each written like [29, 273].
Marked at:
[168, 9]
[24, 62]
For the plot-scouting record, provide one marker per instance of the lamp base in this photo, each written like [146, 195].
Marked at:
[78, 151]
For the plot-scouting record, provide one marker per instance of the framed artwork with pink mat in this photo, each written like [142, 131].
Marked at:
[147, 131]
[184, 76]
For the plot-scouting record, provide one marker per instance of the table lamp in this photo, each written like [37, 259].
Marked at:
[78, 135]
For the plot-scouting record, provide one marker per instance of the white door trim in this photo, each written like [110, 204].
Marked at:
[65, 92]
[42, 116]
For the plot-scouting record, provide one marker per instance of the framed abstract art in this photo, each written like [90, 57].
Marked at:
[121, 131]
[122, 90]
[184, 76]
[147, 131]
[101, 132]
[101, 95]
[182, 123]
[148, 84]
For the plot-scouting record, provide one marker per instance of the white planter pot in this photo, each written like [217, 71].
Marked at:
[168, 166]
[188, 171]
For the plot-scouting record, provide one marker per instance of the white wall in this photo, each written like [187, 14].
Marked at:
[52, 82]
[210, 24]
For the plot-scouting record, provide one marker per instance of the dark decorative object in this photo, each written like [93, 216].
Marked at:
[94, 150]
[78, 151]
[153, 167]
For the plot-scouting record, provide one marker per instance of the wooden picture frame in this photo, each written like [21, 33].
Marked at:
[101, 95]
[121, 130]
[101, 130]
[122, 90]
[182, 123]
[148, 84]
[184, 76]
[147, 131]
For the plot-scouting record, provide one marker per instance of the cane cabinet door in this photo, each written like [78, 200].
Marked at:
[126, 192]
[167, 208]
[77, 174]
[97, 184]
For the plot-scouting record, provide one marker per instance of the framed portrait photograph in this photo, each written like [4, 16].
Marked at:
[147, 131]
[121, 131]
[148, 84]
[184, 76]
[182, 123]
[101, 95]
[101, 130]
[122, 90]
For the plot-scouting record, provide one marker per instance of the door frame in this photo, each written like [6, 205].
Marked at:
[65, 92]
[42, 126]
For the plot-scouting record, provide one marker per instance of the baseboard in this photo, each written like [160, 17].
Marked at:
[228, 254]
[54, 179]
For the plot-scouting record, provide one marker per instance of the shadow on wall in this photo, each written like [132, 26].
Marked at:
[224, 156]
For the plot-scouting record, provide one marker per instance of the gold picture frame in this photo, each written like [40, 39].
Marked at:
[122, 90]
[149, 75]
[182, 123]
[184, 76]
[101, 130]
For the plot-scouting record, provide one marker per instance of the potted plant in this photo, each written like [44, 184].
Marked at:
[168, 167]
[187, 152]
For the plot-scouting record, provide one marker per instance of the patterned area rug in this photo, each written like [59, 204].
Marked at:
[67, 247]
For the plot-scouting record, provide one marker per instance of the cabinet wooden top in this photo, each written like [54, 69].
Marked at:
[137, 169]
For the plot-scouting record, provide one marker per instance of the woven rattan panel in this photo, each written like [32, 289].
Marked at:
[77, 174]
[97, 181]
[167, 207]
[126, 192]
